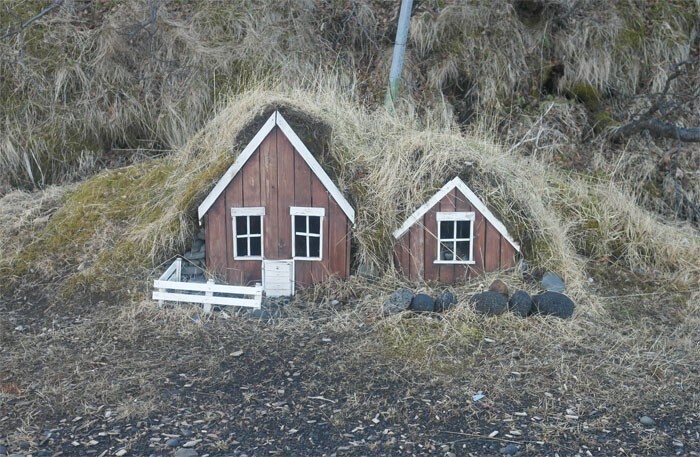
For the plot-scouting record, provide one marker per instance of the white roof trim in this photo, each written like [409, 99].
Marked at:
[276, 120]
[473, 199]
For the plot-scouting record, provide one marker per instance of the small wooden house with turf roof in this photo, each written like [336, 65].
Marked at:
[276, 217]
[453, 237]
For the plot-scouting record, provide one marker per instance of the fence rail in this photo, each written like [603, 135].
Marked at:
[169, 287]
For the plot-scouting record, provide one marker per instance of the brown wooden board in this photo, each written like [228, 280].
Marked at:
[492, 255]
[285, 196]
[447, 271]
[302, 197]
[234, 199]
[479, 242]
[252, 269]
[403, 254]
[337, 240]
[215, 230]
[416, 237]
[319, 199]
[432, 270]
[462, 272]
[507, 254]
[268, 176]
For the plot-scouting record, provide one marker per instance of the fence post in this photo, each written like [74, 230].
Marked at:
[258, 294]
[207, 306]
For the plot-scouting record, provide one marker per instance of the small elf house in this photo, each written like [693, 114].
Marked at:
[276, 217]
[453, 237]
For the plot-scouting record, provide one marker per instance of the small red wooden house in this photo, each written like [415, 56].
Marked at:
[276, 217]
[453, 237]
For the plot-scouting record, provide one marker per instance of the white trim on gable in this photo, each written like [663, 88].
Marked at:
[276, 119]
[457, 183]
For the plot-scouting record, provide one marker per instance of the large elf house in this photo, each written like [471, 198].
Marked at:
[276, 217]
[452, 237]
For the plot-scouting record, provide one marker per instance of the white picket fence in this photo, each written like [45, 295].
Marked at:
[169, 287]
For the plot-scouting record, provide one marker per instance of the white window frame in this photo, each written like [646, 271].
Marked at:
[456, 217]
[247, 212]
[313, 212]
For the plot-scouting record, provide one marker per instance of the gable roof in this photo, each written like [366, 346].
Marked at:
[276, 120]
[458, 184]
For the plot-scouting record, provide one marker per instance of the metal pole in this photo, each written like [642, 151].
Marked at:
[399, 50]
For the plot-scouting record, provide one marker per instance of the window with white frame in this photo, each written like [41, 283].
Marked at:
[247, 233]
[307, 231]
[455, 237]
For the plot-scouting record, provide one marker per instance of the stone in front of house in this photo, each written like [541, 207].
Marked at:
[422, 303]
[553, 304]
[445, 301]
[490, 303]
[520, 303]
[397, 302]
[500, 287]
[552, 282]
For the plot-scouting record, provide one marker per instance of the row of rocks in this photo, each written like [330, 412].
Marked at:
[522, 304]
[497, 300]
[405, 300]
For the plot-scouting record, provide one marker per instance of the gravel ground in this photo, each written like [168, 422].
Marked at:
[151, 382]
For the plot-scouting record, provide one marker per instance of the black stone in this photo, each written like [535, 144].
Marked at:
[553, 304]
[520, 303]
[422, 303]
[3, 449]
[397, 302]
[490, 303]
[24, 445]
[445, 301]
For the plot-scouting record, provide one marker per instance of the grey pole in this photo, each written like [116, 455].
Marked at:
[399, 50]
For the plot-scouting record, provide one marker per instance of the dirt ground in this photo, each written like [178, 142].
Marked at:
[341, 380]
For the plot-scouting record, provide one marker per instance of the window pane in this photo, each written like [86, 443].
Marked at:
[463, 229]
[241, 225]
[300, 245]
[242, 246]
[255, 246]
[300, 223]
[446, 251]
[314, 224]
[447, 229]
[314, 246]
[463, 250]
[255, 225]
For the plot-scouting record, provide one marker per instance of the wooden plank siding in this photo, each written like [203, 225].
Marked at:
[276, 177]
[415, 251]
[285, 197]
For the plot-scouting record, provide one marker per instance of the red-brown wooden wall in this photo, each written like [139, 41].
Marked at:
[276, 177]
[416, 250]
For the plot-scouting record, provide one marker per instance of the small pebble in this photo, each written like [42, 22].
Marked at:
[3, 449]
[187, 433]
[23, 445]
[509, 450]
[172, 442]
[646, 420]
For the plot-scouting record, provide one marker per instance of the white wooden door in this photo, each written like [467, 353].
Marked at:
[278, 278]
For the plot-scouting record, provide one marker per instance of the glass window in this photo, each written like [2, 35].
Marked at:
[248, 236]
[307, 236]
[455, 237]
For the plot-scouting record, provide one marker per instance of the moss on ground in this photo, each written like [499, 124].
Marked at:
[88, 236]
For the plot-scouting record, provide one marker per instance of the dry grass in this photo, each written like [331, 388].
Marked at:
[124, 222]
[80, 82]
